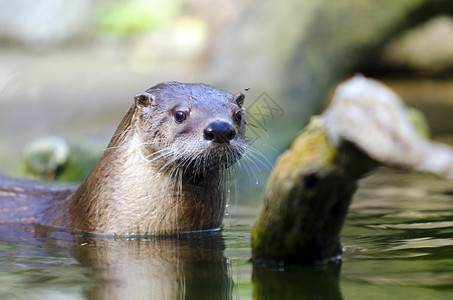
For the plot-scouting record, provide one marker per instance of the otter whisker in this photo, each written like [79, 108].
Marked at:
[121, 132]
[250, 171]
[255, 161]
[159, 154]
[258, 159]
[114, 147]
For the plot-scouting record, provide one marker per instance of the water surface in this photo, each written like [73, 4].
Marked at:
[398, 240]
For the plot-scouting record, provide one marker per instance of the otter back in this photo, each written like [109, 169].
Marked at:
[31, 202]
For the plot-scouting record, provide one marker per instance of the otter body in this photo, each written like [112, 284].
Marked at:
[164, 171]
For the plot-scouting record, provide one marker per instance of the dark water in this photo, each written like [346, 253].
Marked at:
[398, 245]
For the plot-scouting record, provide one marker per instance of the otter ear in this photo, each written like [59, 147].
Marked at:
[239, 98]
[143, 100]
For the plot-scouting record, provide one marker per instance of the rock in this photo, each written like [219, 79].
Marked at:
[423, 49]
[369, 115]
[53, 158]
[45, 157]
[310, 189]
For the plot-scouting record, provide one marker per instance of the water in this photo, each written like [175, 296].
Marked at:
[398, 241]
[399, 238]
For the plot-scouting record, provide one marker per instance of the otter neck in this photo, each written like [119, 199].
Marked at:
[127, 193]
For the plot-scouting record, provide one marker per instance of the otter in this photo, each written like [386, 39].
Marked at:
[165, 170]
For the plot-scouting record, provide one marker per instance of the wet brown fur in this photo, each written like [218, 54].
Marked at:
[136, 187]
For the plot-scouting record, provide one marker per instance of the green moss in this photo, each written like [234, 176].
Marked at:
[80, 163]
[419, 121]
[76, 167]
[309, 152]
[131, 17]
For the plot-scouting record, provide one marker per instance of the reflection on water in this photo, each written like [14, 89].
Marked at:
[295, 282]
[185, 267]
[189, 267]
[36, 266]
[398, 239]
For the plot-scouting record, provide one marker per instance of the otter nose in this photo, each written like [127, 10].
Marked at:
[219, 132]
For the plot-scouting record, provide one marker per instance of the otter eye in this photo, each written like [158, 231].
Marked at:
[180, 116]
[238, 116]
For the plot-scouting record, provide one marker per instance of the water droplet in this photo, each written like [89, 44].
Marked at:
[227, 210]
[257, 182]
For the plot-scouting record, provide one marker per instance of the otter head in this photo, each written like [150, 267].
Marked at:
[191, 126]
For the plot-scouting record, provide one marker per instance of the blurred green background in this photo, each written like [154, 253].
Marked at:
[70, 69]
